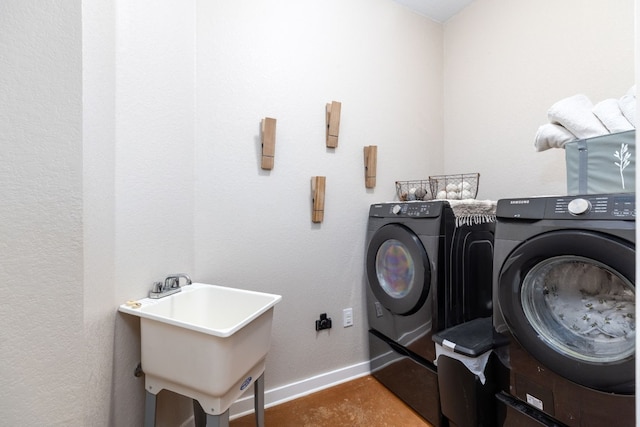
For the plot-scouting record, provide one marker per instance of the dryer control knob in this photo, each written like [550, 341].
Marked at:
[579, 206]
[396, 209]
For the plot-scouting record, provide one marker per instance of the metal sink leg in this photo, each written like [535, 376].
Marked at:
[202, 419]
[150, 410]
[258, 400]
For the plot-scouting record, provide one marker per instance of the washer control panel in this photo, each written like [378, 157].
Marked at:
[578, 206]
[621, 206]
[595, 207]
[407, 209]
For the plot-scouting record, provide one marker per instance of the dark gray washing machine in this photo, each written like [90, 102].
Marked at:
[564, 295]
[424, 274]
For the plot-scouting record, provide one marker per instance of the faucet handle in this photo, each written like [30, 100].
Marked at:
[170, 286]
[171, 283]
[173, 280]
[157, 287]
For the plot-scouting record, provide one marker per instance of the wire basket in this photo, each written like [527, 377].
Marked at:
[455, 187]
[413, 190]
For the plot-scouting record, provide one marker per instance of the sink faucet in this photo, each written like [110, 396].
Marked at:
[170, 286]
[173, 280]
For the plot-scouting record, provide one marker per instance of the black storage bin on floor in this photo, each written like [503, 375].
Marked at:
[465, 401]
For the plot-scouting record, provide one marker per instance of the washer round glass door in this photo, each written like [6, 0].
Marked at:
[398, 269]
[581, 308]
[568, 297]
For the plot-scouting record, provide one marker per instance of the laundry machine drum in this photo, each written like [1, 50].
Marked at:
[581, 308]
[568, 297]
[398, 269]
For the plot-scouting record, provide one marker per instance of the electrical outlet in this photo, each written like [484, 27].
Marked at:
[323, 323]
[347, 317]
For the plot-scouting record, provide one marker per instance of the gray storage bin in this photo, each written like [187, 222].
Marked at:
[600, 165]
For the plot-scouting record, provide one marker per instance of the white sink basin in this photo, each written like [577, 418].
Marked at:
[206, 342]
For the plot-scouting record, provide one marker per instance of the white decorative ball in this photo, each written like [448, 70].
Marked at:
[412, 194]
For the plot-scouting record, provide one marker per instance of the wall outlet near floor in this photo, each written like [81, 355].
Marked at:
[347, 317]
[323, 323]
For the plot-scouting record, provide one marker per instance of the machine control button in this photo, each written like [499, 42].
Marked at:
[379, 311]
[579, 206]
[396, 209]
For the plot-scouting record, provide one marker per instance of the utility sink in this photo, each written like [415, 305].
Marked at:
[206, 342]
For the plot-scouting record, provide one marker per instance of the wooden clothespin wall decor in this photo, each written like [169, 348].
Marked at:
[317, 195]
[268, 143]
[370, 164]
[333, 123]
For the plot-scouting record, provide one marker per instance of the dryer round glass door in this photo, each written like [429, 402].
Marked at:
[395, 268]
[398, 269]
[568, 297]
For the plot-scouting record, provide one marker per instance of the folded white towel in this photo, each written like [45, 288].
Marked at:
[609, 113]
[574, 113]
[552, 136]
[627, 105]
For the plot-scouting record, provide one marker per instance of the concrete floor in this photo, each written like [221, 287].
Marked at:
[361, 402]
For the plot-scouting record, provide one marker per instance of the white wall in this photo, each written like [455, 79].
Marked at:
[98, 53]
[154, 168]
[286, 60]
[41, 266]
[506, 63]
[139, 109]
[149, 159]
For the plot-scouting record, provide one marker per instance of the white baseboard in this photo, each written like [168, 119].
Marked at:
[244, 405]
